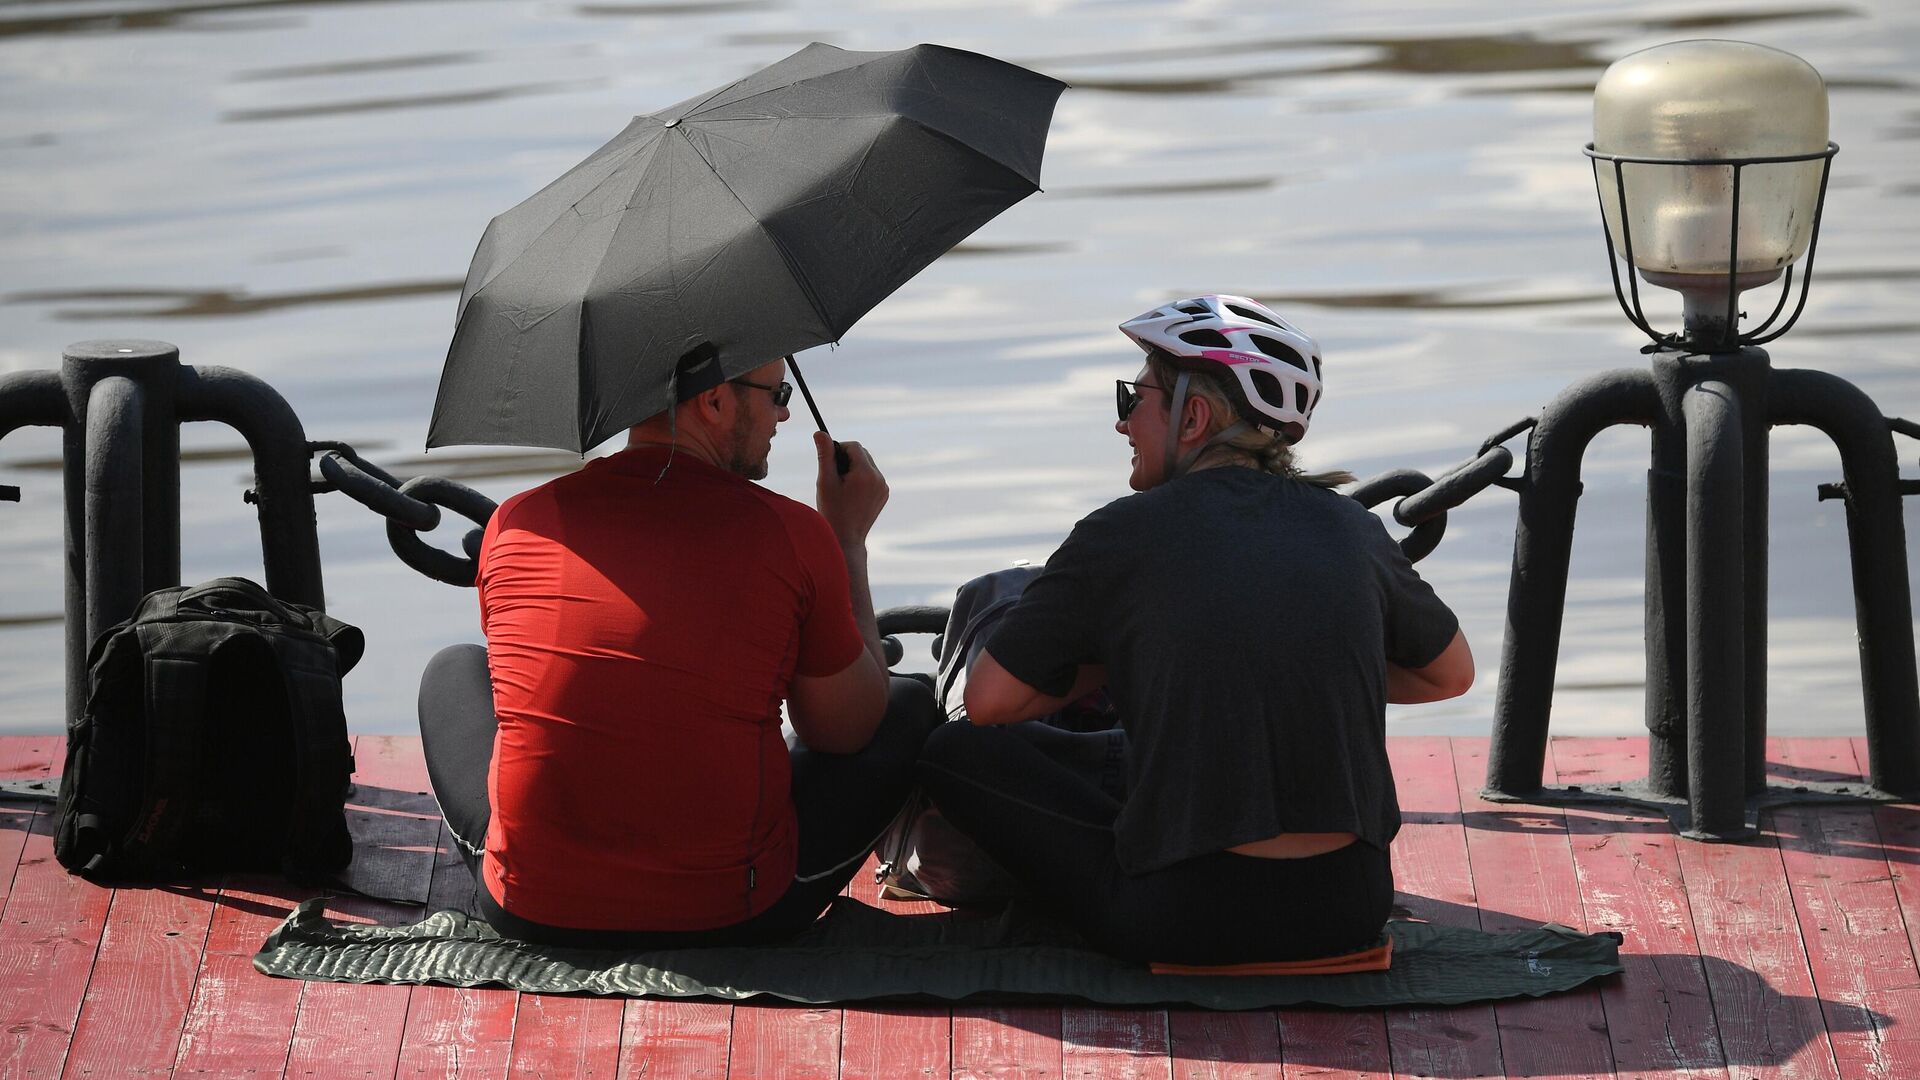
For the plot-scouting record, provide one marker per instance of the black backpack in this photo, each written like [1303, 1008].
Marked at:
[213, 739]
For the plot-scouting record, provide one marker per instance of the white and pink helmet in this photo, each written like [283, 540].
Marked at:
[1274, 364]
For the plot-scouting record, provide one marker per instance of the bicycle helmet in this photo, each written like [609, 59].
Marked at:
[1275, 366]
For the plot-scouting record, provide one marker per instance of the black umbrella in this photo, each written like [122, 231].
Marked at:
[761, 219]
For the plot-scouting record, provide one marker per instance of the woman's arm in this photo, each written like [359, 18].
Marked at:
[1448, 675]
[995, 697]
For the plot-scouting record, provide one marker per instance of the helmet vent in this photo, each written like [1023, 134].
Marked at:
[1279, 350]
[1249, 313]
[1194, 309]
[1213, 338]
[1300, 398]
[1270, 388]
[1316, 368]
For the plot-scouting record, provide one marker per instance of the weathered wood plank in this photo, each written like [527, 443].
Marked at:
[566, 1035]
[1208, 1045]
[1756, 964]
[143, 976]
[675, 1040]
[888, 1041]
[1523, 869]
[451, 1032]
[48, 936]
[1334, 1044]
[1435, 881]
[1004, 1043]
[1850, 918]
[801, 1042]
[240, 1021]
[346, 1029]
[27, 757]
[1659, 1016]
[1899, 829]
[881, 1042]
[1127, 1044]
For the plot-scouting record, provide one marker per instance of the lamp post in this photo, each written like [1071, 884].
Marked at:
[1711, 161]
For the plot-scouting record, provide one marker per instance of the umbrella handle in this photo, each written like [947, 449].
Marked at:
[841, 461]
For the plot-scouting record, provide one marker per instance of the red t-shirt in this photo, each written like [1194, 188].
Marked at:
[642, 636]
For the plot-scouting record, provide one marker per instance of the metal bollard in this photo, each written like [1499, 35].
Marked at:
[120, 405]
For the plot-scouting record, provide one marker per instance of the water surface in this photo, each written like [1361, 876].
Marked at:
[295, 188]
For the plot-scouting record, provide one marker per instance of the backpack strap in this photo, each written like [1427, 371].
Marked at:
[318, 842]
[174, 664]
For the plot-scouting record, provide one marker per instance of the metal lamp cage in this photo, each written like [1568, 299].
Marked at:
[1730, 338]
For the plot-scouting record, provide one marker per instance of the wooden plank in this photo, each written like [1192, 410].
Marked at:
[675, 1040]
[1334, 1043]
[22, 758]
[887, 1041]
[1523, 856]
[143, 976]
[348, 1029]
[238, 1020]
[787, 1041]
[1658, 1013]
[1756, 964]
[566, 1035]
[896, 1040]
[1435, 881]
[1006, 1042]
[1899, 829]
[48, 938]
[1208, 1045]
[1850, 918]
[1127, 1044]
[450, 1031]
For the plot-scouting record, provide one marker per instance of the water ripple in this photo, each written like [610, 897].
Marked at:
[190, 303]
[358, 67]
[414, 101]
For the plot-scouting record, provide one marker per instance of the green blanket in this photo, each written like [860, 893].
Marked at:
[860, 953]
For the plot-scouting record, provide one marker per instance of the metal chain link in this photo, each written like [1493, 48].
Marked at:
[1424, 502]
[410, 508]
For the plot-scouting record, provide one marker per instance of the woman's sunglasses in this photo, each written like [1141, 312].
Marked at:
[782, 393]
[1127, 398]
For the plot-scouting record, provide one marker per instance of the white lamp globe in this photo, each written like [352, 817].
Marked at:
[1710, 100]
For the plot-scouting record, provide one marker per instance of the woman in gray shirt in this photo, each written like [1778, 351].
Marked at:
[1250, 625]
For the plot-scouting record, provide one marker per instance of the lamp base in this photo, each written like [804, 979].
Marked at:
[1711, 316]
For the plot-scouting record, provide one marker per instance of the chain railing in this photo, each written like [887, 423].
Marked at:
[1424, 502]
[413, 506]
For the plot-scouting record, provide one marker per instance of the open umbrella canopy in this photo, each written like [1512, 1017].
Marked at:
[763, 218]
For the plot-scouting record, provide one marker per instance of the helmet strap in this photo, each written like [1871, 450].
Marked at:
[1172, 466]
[1168, 469]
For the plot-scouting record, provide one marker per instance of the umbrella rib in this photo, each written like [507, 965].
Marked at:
[806, 287]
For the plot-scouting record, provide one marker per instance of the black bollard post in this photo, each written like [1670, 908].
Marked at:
[1877, 541]
[152, 451]
[1542, 550]
[1666, 590]
[289, 537]
[1716, 612]
[114, 496]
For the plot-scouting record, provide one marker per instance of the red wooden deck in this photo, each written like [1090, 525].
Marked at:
[1790, 957]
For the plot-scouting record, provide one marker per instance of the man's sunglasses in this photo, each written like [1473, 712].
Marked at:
[1127, 398]
[782, 393]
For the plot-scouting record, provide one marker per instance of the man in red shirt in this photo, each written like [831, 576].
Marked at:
[645, 618]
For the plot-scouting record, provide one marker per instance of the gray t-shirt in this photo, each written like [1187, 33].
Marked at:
[1246, 621]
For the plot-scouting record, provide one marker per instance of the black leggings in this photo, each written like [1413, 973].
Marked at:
[843, 801]
[1053, 830]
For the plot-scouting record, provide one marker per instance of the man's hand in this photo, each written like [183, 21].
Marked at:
[850, 503]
